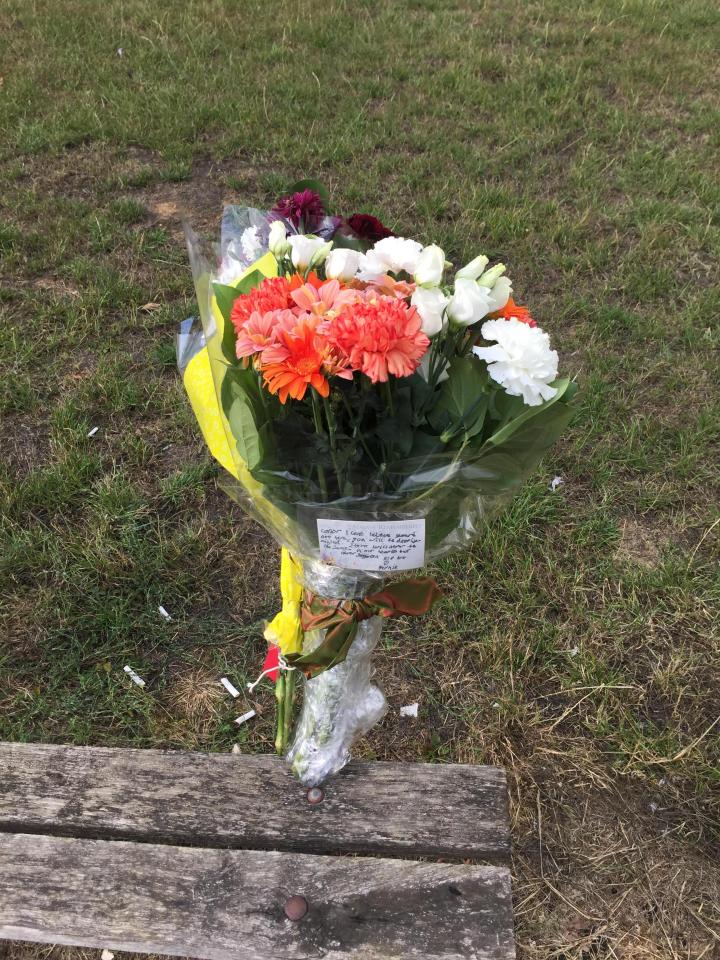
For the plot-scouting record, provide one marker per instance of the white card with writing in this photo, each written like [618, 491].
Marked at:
[373, 544]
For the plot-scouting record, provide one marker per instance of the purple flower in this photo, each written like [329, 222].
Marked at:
[301, 209]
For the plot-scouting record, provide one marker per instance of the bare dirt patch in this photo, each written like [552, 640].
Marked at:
[641, 543]
[25, 442]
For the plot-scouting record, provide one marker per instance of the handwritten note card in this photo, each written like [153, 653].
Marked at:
[373, 544]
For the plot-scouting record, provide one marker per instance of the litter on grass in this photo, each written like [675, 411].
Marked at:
[245, 717]
[91, 433]
[163, 613]
[411, 710]
[107, 955]
[233, 691]
[134, 677]
[555, 483]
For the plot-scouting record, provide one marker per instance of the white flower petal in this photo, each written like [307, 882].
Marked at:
[500, 294]
[391, 255]
[521, 360]
[469, 302]
[430, 304]
[430, 266]
[342, 264]
[307, 250]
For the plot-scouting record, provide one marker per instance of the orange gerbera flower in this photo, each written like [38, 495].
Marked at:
[512, 309]
[302, 366]
[297, 280]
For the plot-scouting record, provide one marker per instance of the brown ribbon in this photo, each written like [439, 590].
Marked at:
[340, 618]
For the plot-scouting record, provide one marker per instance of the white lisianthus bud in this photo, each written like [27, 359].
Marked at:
[342, 264]
[320, 254]
[489, 278]
[277, 241]
[308, 251]
[500, 294]
[430, 266]
[520, 360]
[469, 303]
[472, 270]
[430, 303]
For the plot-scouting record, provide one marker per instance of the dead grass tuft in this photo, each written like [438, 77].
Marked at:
[193, 697]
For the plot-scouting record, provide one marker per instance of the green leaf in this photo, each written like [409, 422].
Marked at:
[397, 434]
[242, 405]
[315, 185]
[563, 388]
[502, 467]
[462, 400]
[247, 439]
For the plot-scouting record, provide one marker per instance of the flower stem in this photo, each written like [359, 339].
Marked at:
[357, 433]
[280, 714]
[288, 707]
[317, 419]
[330, 417]
[389, 398]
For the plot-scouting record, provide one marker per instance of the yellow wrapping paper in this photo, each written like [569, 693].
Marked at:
[285, 629]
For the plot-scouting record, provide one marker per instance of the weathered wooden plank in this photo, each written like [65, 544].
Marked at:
[226, 904]
[252, 802]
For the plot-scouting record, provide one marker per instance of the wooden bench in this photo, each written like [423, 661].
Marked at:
[206, 855]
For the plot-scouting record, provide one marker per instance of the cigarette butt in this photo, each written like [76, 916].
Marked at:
[233, 691]
[134, 677]
[163, 613]
[91, 433]
[245, 717]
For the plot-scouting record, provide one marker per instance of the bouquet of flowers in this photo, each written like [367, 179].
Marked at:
[371, 414]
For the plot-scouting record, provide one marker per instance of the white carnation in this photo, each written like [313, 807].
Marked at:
[390, 255]
[522, 361]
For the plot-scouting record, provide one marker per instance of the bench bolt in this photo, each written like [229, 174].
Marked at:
[296, 908]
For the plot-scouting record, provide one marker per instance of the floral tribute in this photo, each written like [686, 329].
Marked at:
[359, 380]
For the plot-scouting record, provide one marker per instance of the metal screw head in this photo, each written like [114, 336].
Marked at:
[296, 908]
[315, 795]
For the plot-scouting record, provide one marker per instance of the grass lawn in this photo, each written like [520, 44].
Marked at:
[578, 643]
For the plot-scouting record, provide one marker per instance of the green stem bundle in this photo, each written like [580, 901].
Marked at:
[284, 694]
